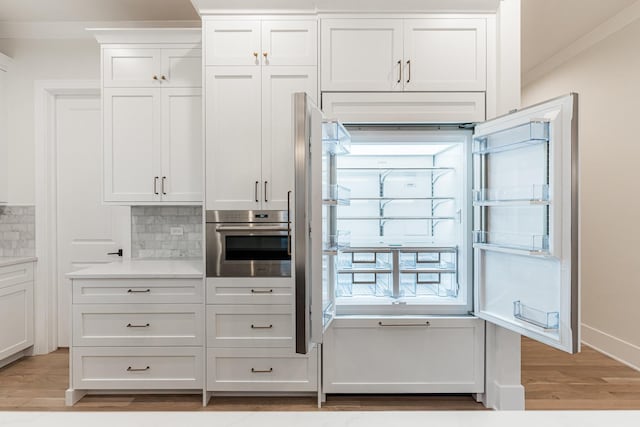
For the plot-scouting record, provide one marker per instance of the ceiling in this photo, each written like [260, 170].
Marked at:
[96, 10]
[548, 26]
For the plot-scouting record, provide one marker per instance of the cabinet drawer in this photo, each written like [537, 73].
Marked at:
[404, 355]
[249, 326]
[137, 324]
[249, 291]
[137, 368]
[261, 370]
[15, 274]
[106, 291]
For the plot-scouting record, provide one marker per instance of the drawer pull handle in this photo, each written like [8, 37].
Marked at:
[259, 291]
[261, 371]
[261, 327]
[130, 369]
[404, 324]
[138, 326]
[133, 291]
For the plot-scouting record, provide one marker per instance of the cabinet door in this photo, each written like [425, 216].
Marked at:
[16, 318]
[233, 141]
[278, 86]
[182, 163]
[131, 67]
[445, 55]
[526, 223]
[361, 54]
[131, 132]
[181, 68]
[289, 42]
[232, 42]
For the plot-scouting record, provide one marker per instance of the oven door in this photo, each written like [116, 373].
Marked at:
[248, 250]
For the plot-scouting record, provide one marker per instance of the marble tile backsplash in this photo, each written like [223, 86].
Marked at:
[151, 231]
[17, 231]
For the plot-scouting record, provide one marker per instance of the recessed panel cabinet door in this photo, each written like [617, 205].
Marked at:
[131, 144]
[361, 54]
[526, 223]
[233, 142]
[278, 86]
[181, 68]
[231, 42]
[445, 55]
[181, 179]
[131, 67]
[289, 42]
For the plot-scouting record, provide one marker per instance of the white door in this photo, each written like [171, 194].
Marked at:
[131, 67]
[232, 42]
[526, 223]
[182, 164]
[445, 55]
[361, 54]
[233, 146]
[181, 68]
[87, 230]
[132, 144]
[289, 42]
[278, 86]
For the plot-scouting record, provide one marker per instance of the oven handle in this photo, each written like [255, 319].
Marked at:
[258, 228]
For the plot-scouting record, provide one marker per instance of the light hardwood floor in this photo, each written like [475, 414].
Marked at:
[552, 380]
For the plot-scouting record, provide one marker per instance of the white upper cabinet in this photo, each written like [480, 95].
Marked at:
[445, 55]
[231, 42]
[233, 138]
[152, 116]
[438, 54]
[289, 42]
[142, 67]
[361, 54]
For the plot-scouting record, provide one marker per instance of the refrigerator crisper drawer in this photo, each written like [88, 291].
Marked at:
[404, 355]
[261, 370]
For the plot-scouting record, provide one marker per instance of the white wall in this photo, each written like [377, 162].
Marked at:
[38, 60]
[607, 79]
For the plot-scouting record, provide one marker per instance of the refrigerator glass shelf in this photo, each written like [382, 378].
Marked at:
[525, 195]
[528, 243]
[521, 136]
[335, 138]
[540, 318]
[338, 195]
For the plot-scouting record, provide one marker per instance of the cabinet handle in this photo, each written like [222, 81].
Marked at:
[399, 71]
[404, 324]
[164, 178]
[146, 325]
[261, 371]
[256, 190]
[261, 327]
[155, 185]
[255, 54]
[409, 70]
[163, 78]
[155, 77]
[132, 291]
[289, 222]
[130, 369]
[253, 291]
[265, 191]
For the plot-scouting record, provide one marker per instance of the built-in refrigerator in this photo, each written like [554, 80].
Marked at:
[470, 220]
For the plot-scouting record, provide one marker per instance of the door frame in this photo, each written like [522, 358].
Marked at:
[46, 285]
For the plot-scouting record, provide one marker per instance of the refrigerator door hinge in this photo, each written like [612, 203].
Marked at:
[471, 313]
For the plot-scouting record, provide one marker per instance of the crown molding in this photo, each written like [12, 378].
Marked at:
[146, 35]
[77, 29]
[611, 26]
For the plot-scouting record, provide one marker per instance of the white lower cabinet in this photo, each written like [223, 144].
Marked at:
[137, 368]
[261, 370]
[16, 310]
[404, 355]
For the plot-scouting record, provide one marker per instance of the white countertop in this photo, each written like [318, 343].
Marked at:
[6, 261]
[143, 269]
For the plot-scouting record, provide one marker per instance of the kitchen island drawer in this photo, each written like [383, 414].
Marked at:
[248, 290]
[249, 326]
[107, 291]
[259, 370]
[138, 325]
[136, 368]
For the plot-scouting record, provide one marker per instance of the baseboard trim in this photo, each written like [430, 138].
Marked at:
[616, 348]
